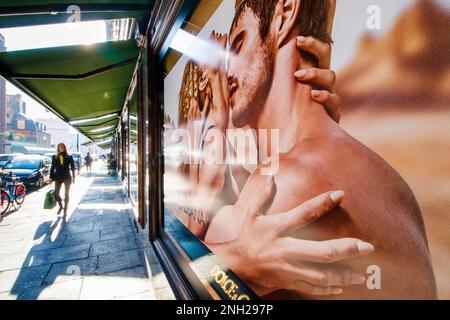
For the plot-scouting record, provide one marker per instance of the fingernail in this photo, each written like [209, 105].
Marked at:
[337, 291]
[300, 73]
[301, 39]
[315, 93]
[365, 248]
[357, 278]
[337, 196]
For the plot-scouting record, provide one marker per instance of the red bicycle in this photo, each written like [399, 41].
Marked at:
[12, 192]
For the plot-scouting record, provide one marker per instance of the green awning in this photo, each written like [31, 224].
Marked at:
[96, 125]
[76, 82]
[104, 144]
[102, 136]
[19, 13]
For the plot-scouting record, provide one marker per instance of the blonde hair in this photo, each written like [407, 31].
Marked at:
[65, 149]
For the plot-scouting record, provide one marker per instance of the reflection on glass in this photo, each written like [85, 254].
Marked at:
[189, 106]
[133, 159]
[263, 236]
[126, 150]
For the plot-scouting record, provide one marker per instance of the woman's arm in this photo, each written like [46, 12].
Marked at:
[52, 168]
[268, 260]
[72, 168]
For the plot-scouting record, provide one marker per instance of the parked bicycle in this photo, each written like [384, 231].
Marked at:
[12, 192]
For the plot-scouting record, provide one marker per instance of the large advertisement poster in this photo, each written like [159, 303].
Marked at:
[283, 181]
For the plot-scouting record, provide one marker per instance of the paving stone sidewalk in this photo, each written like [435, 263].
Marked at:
[96, 254]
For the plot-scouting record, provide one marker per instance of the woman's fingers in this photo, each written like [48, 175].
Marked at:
[300, 286]
[307, 212]
[304, 287]
[304, 280]
[324, 251]
[265, 194]
[322, 78]
[330, 101]
[329, 276]
[223, 40]
[321, 50]
[220, 45]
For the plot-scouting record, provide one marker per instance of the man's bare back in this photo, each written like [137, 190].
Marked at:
[379, 208]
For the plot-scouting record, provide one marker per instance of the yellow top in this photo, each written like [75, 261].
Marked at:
[61, 159]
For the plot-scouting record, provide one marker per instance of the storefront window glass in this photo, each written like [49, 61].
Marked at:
[133, 159]
[184, 97]
[253, 145]
[126, 149]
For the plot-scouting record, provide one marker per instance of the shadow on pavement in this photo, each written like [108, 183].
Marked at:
[94, 255]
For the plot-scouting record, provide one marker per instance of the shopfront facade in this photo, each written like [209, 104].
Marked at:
[174, 77]
[141, 148]
[157, 99]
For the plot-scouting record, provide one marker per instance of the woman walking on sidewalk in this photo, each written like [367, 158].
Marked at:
[60, 172]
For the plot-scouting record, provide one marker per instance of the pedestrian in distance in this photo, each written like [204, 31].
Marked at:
[88, 160]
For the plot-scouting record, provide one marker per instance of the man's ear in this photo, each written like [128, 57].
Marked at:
[286, 16]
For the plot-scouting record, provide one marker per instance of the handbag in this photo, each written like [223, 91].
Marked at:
[50, 200]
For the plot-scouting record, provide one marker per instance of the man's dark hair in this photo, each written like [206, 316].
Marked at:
[312, 19]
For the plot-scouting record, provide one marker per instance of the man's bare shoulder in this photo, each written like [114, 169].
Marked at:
[337, 162]
[379, 207]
